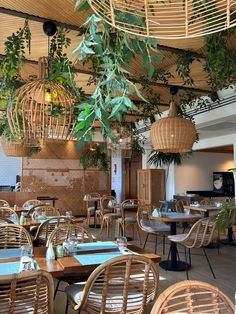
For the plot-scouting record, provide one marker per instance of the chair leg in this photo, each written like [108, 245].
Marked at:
[208, 261]
[156, 244]
[189, 256]
[186, 261]
[164, 244]
[145, 241]
[57, 286]
[67, 305]
[102, 225]
[139, 236]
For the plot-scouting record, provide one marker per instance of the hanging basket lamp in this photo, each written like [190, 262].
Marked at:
[170, 19]
[173, 134]
[42, 109]
[14, 149]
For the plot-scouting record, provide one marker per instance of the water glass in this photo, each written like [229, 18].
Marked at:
[121, 242]
[69, 214]
[26, 250]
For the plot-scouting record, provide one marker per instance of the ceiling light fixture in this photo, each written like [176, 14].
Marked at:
[170, 19]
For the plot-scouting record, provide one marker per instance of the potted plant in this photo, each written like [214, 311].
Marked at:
[225, 218]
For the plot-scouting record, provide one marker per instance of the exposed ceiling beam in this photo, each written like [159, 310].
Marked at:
[83, 71]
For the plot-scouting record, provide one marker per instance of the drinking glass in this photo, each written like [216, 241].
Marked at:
[121, 242]
[26, 250]
[69, 214]
[72, 243]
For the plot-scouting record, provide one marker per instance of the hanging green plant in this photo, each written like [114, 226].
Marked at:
[108, 52]
[220, 60]
[137, 149]
[226, 216]
[11, 63]
[183, 62]
[159, 159]
[95, 156]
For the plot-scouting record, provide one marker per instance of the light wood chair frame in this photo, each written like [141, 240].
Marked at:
[6, 210]
[49, 210]
[26, 292]
[128, 221]
[13, 236]
[145, 211]
[199, 236]
[32, 203]
[3, 202]
[121, 277]
[192, 296]
[107, 218]
[90, 209]
[47, 227]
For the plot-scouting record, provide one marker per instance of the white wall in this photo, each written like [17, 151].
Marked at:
[196, 172]
[9, 168]
[116, 176]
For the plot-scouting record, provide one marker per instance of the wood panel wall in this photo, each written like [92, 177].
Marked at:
[56, 171]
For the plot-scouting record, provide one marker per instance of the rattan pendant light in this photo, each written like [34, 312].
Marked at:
[173, 134]
[167, 19]
[42, 109]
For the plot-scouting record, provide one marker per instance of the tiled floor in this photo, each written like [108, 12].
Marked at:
[223, 264]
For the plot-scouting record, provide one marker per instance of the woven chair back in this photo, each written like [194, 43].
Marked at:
[201, 233]
[125, 284]
[179, 206]
[13, 236]
[5, 221]
[65, 231]
[206, 201]
[31, 203]
[104, 202]
[26, 292]
[134, 202]
[46, 210]
[144, 212]
[4, 203]
[48, 226]
[192, 296]
[6, 212]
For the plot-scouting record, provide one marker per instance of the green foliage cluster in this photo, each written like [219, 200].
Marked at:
[226, 216]
[137, 146]
[109, 52]
[96, 157]
[183, 62]
[159, 159]
[220, 64]
[12, 61]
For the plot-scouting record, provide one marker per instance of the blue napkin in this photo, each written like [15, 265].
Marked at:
[93, 246]
[12, 268]
[96, 258]
[10, 253]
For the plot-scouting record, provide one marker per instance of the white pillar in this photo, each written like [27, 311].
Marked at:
[116, 174]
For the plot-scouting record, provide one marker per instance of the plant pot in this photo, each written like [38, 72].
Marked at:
[226, 92]
[15, 149]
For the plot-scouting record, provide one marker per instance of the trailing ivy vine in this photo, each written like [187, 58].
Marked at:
[183, 62]
[108, 52]
[95, 157]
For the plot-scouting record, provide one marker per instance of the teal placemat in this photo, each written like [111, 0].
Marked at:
[108, 245]
[12, 268]
[10, 253]
[97, 258]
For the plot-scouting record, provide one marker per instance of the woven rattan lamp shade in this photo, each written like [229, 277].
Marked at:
[42, 110]
[167, 19]
[173, 134]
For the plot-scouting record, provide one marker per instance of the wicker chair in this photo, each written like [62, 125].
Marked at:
[46, 209]
[64, 231]
[47, 227]
[125, 284]
[206, 201]
[6, 212]
[5, 221]
[26, 292]
[31, 203]
[201, 234]
[179, 206]
[90, 209]
[192, 296]
[13, 236]
[4, 203]
[151, 226]
[129, 221]
[61, 234]
[107, 217]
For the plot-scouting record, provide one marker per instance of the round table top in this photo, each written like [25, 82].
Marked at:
[176, 217]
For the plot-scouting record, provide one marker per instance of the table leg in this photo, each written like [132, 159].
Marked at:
[95, 225]
[173, 264]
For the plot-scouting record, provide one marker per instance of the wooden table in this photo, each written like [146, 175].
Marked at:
[206, 209]
[69, 265]
[173, 218]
